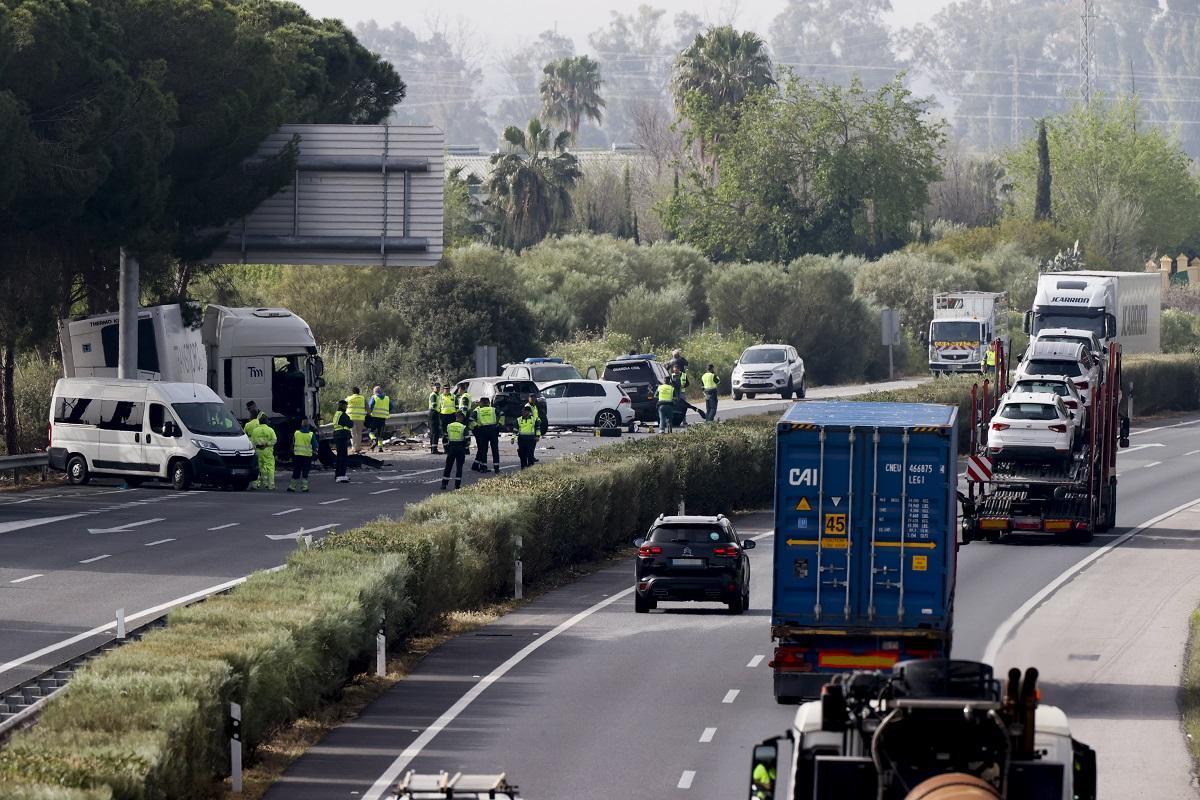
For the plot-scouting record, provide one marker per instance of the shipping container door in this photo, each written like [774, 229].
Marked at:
[908, 532]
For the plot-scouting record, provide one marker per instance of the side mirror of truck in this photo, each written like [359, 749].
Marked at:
[1084, 769]
[1027, 323]
[764, 768]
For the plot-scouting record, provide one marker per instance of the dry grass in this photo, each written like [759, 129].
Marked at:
[1189, 693]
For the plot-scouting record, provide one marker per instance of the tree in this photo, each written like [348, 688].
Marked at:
[633, 54]
[1041, 208]
[836, 40]
[969, 190]
[531, 181]
[907, 282]
[659, 317]
[522, 68]
[570, 92]
[813, 168]
[1098, 149]
[465, 218]
[723, 66]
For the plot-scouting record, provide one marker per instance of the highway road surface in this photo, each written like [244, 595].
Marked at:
[576, 696]
[71, 556]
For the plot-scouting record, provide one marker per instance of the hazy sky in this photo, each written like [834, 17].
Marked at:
[499, 25]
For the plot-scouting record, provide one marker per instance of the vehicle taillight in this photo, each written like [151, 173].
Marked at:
[649, 550]
[1059, 428]
[624, 401]
[724, 551]
[1000, 426]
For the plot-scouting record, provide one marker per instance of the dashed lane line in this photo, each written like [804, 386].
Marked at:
[331, 502]
[731, 695]
[685, 780]
[707, 735]
[1152, 464]
[97, 558]
[158, 542]
[28, 578]
[1191, 452]
[754, 662]
[226, 525]
[385, 491]
[287, 511]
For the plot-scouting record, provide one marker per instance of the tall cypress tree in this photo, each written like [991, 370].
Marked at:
[1041, 209]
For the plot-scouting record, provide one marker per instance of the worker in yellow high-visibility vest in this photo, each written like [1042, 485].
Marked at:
[709, 381]
[356, 409]
[665, 395]
[379, 408]
[304, 447]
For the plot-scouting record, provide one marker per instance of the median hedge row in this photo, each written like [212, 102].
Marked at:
[148, 720]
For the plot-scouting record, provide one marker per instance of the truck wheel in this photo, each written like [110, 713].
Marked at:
[787, 700]
[77, 471]
[737, 395]
[643, 605]
[181, 475]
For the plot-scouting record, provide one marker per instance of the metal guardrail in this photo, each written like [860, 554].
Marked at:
[404, 419]
[25, 461]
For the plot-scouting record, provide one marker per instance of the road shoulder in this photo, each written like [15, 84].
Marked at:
[1111, 649]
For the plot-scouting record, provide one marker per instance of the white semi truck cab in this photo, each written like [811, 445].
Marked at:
[265, 355]
[963, 327]
[1124, 306]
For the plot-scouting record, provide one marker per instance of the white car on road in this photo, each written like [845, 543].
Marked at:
[1029, 424]
[602, 404]
[768, 369]
[1066, 359]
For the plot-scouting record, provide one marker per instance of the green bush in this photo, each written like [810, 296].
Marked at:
[33, 385]
[907, 282]
[661, 317]
[347, 367]
[1180, 331]
[1162, 383]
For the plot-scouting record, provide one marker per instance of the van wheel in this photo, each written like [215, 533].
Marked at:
[77, 471]
[181, 475]
[608, 419]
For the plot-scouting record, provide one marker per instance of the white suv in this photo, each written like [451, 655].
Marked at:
[1067, 359]
[603, 404]
[767, 369]
[1029, 424]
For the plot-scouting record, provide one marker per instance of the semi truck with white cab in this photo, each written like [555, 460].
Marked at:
[265, 355]
[963, 325]
[1110, 305]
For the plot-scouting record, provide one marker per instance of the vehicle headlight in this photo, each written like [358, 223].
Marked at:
[204, 444]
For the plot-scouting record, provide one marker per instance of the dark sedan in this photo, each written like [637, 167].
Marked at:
[693, 558]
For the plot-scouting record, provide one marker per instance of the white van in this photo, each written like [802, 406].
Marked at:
[180, 432]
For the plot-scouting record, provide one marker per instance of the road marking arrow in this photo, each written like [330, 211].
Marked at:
[7, 527]
[124, 528]
[299, 533]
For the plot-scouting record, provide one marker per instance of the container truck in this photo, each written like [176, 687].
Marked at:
[866, 528]
[964, 325]
[1125, 306]
[265, 355]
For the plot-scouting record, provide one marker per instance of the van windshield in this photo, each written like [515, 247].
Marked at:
[207, 419]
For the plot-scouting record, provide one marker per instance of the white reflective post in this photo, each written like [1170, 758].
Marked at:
[120, 623]
[235, 747]
[381, 650]
[519, 573]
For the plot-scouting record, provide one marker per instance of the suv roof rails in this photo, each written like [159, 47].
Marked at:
[636, 357]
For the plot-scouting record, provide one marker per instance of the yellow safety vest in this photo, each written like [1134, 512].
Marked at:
[356, 407]
[303, 443]
[382, 407]
[342, 422]
[433, 400]
[666, 393]
[709, 381]
[464, 402]
[533, 411]
[991, 357]
[456, 432]
[485, 415]
[250, 426]
[446, 404]
[526, 426]
[263, 434]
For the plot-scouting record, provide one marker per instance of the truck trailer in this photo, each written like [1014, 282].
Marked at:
[964, 325]
[866, 530]
[1124, 306]
[265, 355]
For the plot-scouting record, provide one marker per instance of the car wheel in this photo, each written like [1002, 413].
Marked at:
[608, 419]
[737, 605]
[181, 475]
[737, 395]
[789, 392]
[77, 471]
[643, 605]
[803, 390]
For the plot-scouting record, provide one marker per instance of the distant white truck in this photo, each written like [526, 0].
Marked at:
[265, 355]
[963, 327]
[1123, 306]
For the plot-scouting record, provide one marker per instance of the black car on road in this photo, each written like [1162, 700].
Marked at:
[509, 396]
[640, 376]
[692, 558]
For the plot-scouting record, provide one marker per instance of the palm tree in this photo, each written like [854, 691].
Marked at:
[531, 181]
[723, 65]
[570, 91]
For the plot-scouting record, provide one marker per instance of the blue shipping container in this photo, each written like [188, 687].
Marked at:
[865, 523]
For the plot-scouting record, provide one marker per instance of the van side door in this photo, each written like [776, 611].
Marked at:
[120, 435]
[158, 445]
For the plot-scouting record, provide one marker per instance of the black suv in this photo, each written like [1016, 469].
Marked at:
[692, 558]
[508, 396]
[640, 376]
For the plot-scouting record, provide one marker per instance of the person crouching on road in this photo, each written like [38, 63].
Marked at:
[486, 426]
[455, 440]
[435, 419]
[263, 437]
[527, 436]
[342, 428]
[665, 394]
[710, 381]
[304, 446]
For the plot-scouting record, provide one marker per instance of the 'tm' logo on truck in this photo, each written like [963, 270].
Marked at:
[803, 477]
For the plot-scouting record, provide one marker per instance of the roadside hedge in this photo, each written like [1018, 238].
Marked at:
[1163, 383]
[147, 721]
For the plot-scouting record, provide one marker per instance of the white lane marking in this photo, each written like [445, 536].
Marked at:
[1009, 626]
[731, 695]
[407, 474]
[6, 527]
[385, 491]
[287, 511]
[97, 558]
[160, 541]
[754, 662]
[28, 578]
[1137, 447]
[149, 612]
[708, 735]
[1191, 452]
[301, 532]
[685, 780]
[1165, 427]
[1152, 464]
[331, 502]
[226, 525]
[125, 528]
[394, 770]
